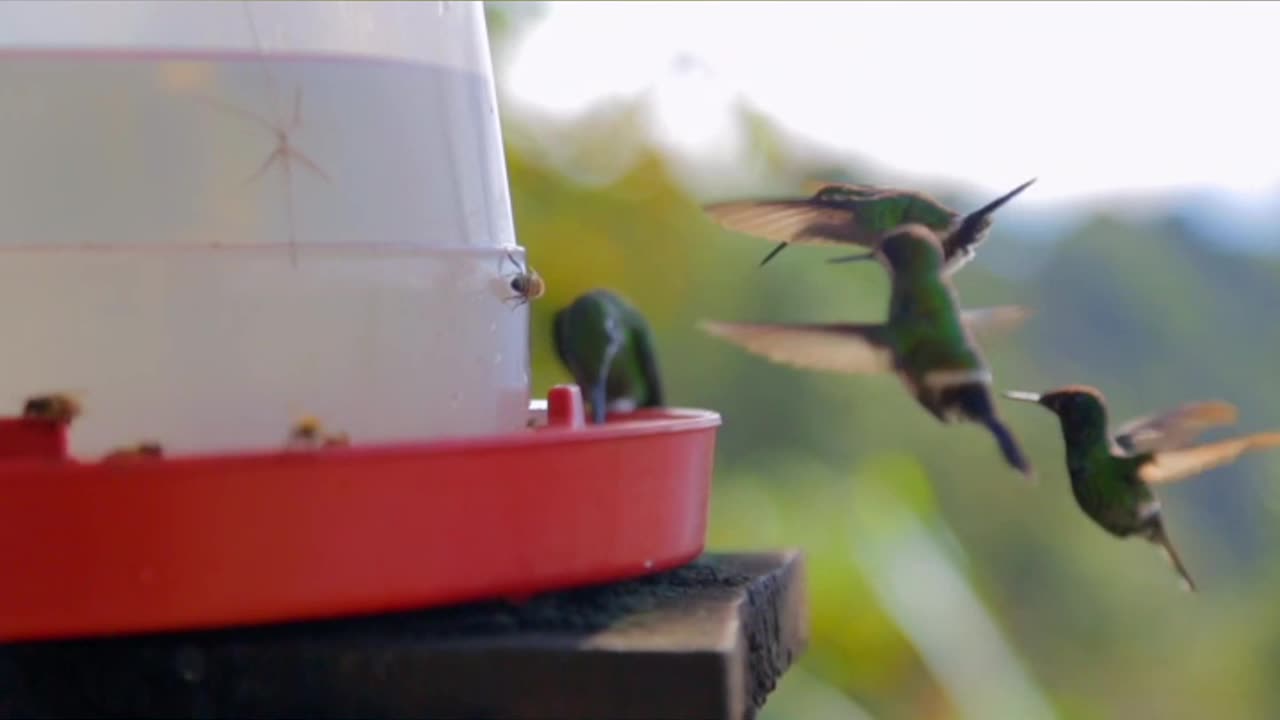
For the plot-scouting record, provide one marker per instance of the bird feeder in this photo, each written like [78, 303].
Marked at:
[216, 218]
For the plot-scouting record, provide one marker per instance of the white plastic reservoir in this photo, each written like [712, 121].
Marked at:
[216, 217]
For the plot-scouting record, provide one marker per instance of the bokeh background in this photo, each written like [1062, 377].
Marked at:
[941, 585]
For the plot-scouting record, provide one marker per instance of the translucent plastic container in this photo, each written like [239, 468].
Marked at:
[216, 217]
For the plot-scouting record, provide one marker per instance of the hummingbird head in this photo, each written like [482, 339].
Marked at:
[911, 248]
[1072, 403]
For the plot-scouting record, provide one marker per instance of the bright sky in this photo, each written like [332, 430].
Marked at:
[1093, 98]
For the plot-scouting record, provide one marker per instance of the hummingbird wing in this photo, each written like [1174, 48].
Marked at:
[803, 222]
[838, 347]
[642, 342]
[1174, 428]
[587, 349]
[992, 322]
[1175, 465]
[818, 187]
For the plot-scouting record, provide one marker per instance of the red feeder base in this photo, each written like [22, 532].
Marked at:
[203, 542]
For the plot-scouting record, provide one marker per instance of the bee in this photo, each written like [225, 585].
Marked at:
[537, 414]
[60, 408]
[308, 434]
[526, 283]
[147, 449]
[332, 440]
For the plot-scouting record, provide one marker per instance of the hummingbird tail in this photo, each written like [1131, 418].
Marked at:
[994, 205]
[972, 400]
[1158, 536]
[1009, 446]
[973, 228]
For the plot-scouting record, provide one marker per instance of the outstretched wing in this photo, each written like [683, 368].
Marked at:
[992, 322]
[843, 348]
[1175, 428]
[1175, 465]
[803, 222]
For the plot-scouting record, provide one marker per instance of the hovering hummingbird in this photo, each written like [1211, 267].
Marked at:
[928, 341]
[860, 215]
[1112, 474]
[607, 346]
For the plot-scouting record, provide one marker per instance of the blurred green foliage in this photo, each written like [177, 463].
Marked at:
[941, 585]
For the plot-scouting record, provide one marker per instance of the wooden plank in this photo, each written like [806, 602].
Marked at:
[708, 640]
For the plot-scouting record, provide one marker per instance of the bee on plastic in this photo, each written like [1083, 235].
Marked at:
[146, 450]
[60, 408]
[537, 414]
[526, 283]
[309, 434]
[334, 440]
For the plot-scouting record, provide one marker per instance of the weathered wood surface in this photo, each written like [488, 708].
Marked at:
[708, 640]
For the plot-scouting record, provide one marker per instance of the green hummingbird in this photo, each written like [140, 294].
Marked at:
[607, 346]
[1112, 473]
[860, 215]
[928, 341]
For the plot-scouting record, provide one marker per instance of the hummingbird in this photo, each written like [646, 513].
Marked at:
[1112, 473]
[928, 341]
[840, 214]
[607, 346]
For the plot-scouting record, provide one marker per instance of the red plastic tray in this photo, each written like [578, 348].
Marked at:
[91, 549]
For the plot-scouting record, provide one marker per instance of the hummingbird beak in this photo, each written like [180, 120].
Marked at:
[1023, 396]
[860, 257]
[994, 205]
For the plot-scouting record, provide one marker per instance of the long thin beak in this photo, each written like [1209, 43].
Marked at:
[1023, 396]
[854, 258]
[995, 204]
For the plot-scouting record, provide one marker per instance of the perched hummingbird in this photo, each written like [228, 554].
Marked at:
[928, 341]
[607, 346]
[860, 215]
[1112, 474]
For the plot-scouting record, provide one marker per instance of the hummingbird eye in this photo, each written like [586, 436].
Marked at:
[1069, 404]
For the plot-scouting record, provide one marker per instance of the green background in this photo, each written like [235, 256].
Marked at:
[941, 584]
